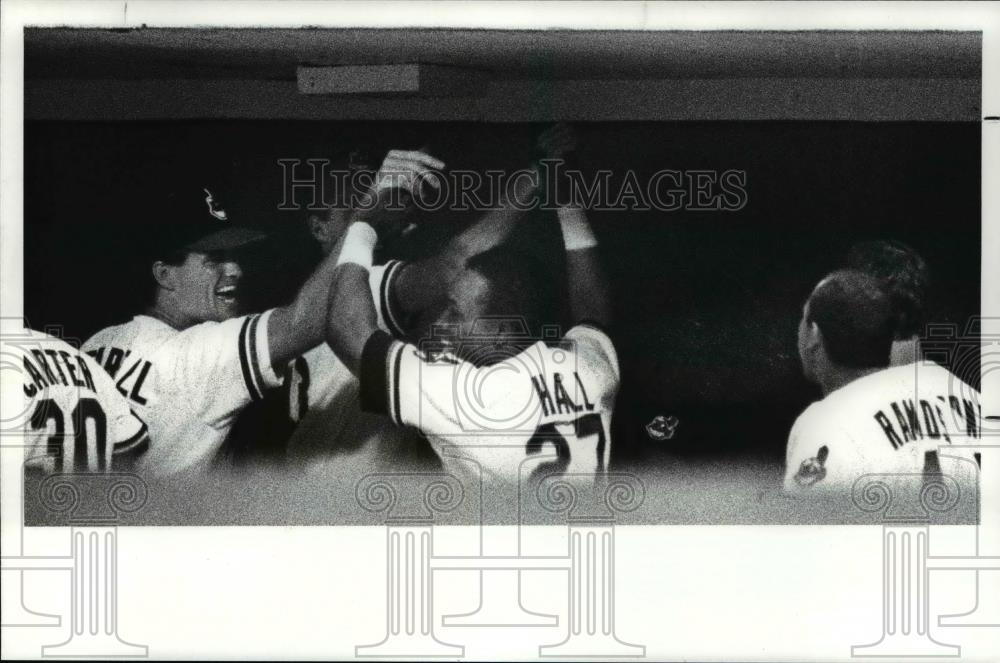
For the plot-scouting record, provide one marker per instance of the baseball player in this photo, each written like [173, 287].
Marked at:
[492, 402]
[78, 420]
[905, 276]
[190, 362]
[332, 433]
[873, 418]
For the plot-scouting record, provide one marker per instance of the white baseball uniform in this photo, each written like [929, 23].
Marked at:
[332, 433]
[894, 421]
[187, 385]
[543, 401]
[78, 422]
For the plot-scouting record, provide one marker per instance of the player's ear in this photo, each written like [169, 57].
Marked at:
[163, 274]
[319, 228]
[814, 337]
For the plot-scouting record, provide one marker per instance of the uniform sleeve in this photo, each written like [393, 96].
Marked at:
[216, 368]
[380, 279]
[127, 433]
[594, 347]
[91, 343]
[445, 397]
[820, 456]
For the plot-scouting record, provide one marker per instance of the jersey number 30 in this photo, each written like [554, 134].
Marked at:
[57, 445]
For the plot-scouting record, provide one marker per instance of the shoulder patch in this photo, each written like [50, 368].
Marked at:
[813, 470]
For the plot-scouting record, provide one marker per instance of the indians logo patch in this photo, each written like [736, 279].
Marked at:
[813, 470]
[214, 208]
[662, 428]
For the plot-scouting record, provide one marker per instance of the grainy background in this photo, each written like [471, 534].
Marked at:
[707, 302]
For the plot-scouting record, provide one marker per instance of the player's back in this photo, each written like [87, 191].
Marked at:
[913, 419]
[189, 384]
[126, 352]
[78, 421]
[544, 408]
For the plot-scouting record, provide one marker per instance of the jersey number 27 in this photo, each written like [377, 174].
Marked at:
[585, 426]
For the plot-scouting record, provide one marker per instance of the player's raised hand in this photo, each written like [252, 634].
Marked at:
[557, 141]
[400, 177]
[407, 170]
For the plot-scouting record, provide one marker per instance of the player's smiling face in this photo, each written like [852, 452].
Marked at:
[208, 287]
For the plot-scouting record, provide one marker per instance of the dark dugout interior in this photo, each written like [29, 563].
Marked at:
[841, 136]
[707, 301]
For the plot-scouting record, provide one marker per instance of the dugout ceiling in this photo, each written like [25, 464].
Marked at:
[98, 74]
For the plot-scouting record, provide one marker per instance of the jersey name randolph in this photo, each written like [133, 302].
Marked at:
[912, 420]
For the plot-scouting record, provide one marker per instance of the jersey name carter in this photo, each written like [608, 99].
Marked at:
[78, 421]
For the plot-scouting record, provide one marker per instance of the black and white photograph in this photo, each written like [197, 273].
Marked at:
[611, 274]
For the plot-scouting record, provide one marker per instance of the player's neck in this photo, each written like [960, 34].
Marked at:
[163, 313]
[905, 351]
[841, 377]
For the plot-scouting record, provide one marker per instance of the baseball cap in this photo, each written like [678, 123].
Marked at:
[225, 240]
[196, 219]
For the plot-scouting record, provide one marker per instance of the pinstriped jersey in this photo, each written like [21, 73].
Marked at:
[187, 385]
[542, 408]
[380, 280]
[76, 419]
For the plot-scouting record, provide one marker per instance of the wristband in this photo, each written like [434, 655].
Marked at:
[359, 245]
[577, 234]
[373, 374]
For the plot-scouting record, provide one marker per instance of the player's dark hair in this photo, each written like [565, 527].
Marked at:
[905, 276]
[520, 286]
[857, 318]
[171, 257]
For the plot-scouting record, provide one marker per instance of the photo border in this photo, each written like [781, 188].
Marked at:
[724, 592]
